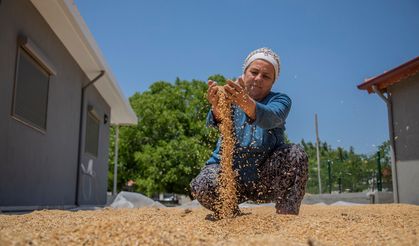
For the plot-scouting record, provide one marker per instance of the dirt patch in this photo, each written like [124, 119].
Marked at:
[316, 225]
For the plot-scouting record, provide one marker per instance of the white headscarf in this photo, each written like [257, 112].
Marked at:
[264, 54]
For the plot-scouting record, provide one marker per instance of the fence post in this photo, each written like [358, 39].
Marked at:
[330, 176]
[379, 180]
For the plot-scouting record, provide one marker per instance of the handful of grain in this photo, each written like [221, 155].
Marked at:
[227, 202]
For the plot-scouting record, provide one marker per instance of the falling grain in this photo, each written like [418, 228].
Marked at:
[227, 203]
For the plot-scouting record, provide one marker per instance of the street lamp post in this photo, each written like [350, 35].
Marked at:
[115, 169]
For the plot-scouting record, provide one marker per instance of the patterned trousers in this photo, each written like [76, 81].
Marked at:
[281, 179]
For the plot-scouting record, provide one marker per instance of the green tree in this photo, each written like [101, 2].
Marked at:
[386, 174]
[220, 79]
[170, 144]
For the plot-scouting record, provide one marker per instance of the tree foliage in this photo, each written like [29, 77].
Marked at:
[170, 143]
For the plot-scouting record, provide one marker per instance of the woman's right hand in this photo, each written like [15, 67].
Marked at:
[212, 93]
[212, 96]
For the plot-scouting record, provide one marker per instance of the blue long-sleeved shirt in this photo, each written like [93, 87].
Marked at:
[255, 140]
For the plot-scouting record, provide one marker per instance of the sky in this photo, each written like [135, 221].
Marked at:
[326, 47]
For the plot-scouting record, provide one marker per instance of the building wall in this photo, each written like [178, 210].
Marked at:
[406, 131]
[39, 169]
[93, 186]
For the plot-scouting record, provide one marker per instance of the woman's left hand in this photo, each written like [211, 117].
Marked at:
[236, 92]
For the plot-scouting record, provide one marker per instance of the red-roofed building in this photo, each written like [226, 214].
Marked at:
[399, 89]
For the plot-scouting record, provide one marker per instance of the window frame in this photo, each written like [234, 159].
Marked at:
[91, 112]
[35, 56]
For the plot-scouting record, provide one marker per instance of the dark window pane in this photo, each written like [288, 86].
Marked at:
[31, 94]
[92, 134]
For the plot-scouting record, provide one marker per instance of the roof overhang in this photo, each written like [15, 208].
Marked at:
[391, 77]
[65, 20]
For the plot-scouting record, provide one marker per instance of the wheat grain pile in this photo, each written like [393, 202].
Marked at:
[316, 225]
[227, 184]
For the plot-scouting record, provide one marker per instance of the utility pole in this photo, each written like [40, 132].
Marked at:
[318, 153]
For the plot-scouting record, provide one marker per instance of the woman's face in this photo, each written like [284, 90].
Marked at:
[259, 79]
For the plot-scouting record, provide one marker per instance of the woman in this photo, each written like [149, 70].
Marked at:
[268, 169]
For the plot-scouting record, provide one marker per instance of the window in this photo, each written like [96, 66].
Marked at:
[33, 72]
[31, 92]
[91, 145]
